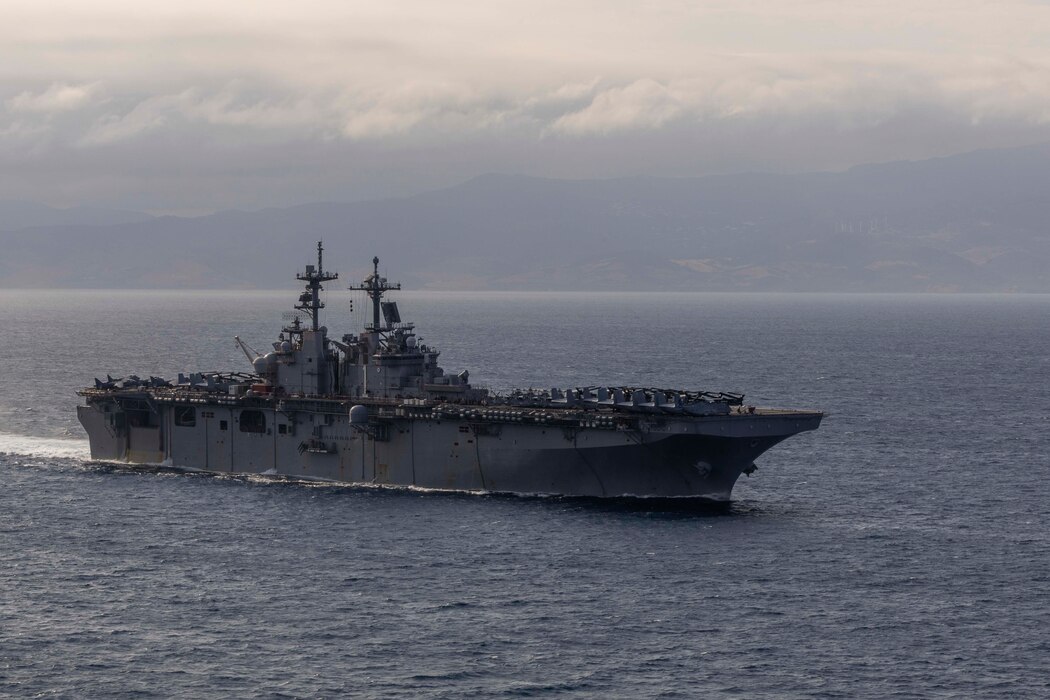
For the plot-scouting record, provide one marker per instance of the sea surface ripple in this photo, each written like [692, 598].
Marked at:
[903, 550]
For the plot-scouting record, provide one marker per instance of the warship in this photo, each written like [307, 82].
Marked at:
[375, 408]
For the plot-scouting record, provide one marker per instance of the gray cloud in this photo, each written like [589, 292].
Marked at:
[245, 104]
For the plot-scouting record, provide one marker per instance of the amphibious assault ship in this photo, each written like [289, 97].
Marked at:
[374, 407]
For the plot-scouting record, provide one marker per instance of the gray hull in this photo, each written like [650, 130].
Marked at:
[656, 457]
[376, 408]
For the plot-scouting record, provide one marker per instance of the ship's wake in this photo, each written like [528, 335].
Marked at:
[695, 505]
[44, 447]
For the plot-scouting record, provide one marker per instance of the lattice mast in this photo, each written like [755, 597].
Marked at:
[310, 300]
[375, 287]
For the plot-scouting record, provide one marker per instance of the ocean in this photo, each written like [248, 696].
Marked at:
[902, 550]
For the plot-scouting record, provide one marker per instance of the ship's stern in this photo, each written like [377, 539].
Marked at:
[107, 441]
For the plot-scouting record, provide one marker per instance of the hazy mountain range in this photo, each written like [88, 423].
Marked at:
[973, 222]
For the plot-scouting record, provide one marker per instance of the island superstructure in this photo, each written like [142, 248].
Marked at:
[374, 407]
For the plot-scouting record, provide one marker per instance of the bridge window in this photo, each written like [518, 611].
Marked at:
[253, 421]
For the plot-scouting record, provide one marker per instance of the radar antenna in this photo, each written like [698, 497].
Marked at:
[375, 286]
[310, 300]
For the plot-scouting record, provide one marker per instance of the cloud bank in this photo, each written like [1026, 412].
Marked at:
[247, 103]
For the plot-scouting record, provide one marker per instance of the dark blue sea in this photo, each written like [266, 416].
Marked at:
[901, 551]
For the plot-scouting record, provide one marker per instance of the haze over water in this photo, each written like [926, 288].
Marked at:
[901, 550]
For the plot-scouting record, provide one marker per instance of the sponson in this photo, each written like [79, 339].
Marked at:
[375, 407]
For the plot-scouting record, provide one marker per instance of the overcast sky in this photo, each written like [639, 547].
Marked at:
[191, 105]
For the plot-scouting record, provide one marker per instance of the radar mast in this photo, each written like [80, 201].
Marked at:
[310, 300]
[375, 287]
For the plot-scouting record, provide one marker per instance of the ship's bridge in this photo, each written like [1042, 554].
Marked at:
[386, 360]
